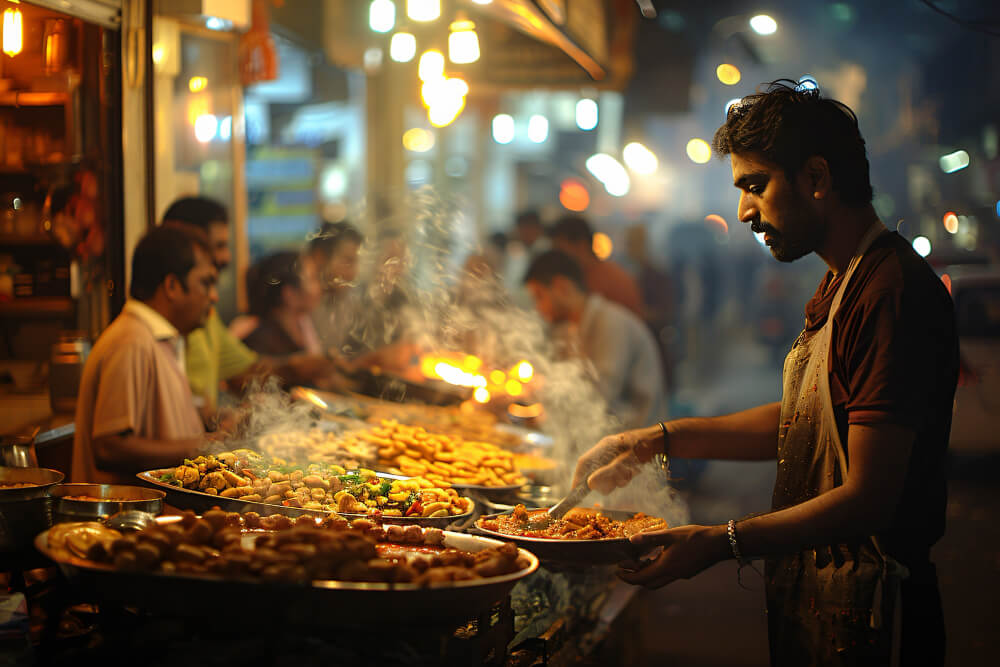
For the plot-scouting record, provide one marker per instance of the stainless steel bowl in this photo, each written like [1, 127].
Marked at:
[25, 512]
[114, 498]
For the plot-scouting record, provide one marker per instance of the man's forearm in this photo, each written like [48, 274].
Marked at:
[750, 435]
[132, 453]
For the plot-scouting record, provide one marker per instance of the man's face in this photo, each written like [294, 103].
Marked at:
[194, 303]
[783, 211]
[550, 300]
[218, 237]
[342, 268]
[310, 290]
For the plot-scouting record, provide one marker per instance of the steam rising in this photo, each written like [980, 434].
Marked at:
[423, 282]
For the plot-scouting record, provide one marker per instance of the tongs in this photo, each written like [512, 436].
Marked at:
[558, 511]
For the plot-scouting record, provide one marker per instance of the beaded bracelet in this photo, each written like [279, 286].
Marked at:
[733, 544]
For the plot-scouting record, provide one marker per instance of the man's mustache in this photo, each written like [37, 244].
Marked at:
[759, 227]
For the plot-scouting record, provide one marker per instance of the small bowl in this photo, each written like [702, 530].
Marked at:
[103, 501]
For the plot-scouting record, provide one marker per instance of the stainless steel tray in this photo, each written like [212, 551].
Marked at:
[329, 604]
[133, 498]
[584, 552]
[199, 502]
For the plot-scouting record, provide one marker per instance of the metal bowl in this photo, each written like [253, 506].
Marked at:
[25, 512]
[114, 498]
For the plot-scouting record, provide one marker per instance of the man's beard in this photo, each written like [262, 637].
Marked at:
[788, 247]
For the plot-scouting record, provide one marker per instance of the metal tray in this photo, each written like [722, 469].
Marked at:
[586, 552]
[136, 498]
[329, 604]
[199, 502]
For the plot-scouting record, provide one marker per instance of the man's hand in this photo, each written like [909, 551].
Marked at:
[616, 459]
[687, 550]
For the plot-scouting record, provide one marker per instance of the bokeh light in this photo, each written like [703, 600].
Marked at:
[951, 222]
[418, 140]
[922, 245]
[717, 220]
[503, 128]
[699, 151]
[762, 24]
[586, 114]
[602, 246]
[728, 74]
[953, 162]
[639, 158]
[573, 195]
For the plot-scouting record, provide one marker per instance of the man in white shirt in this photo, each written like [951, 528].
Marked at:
[135, 410]
[619, 345]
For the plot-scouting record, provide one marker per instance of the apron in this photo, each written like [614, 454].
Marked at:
[831, 605]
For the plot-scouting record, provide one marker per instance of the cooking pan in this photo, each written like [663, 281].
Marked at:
[131, 498]
[581, 552]
[199, 502]
[27, 511]
[329, 604]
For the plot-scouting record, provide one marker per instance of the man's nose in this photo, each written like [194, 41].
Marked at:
[746, 211]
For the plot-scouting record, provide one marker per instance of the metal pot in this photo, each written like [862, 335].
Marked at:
[25, 512]
[132, 498]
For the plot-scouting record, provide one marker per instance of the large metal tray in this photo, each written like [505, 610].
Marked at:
[329, 604]
[199, 502]
[582, 552]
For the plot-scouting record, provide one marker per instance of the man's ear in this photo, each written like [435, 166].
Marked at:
[172, 287]
[816, 172]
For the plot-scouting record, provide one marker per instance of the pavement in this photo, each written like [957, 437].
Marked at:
[714, 621]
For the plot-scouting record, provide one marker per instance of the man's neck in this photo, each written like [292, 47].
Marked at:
[845, 231]
[161, 306]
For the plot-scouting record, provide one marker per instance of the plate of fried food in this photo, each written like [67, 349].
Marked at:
[244, 480]
[584, 535]
[306, 571]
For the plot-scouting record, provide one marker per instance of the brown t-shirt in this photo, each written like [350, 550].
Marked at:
[132, 382]
[894, 360]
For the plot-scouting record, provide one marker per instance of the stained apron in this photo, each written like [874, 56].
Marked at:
[832, 605]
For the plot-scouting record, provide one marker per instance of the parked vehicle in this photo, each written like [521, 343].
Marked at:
[975, 427]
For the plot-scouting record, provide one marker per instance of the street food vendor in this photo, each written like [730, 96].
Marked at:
[617, 344]
[135, 410]
[861, 432]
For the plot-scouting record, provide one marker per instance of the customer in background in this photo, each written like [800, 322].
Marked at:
[574, 236]
[214, 355]
[135, 410]
[283, 292]
[335, 253]
[618, 344]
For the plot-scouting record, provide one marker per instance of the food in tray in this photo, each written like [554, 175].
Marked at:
[412, 450]
[249, 476]
[17, 485]
[98, 499]
[319, 446]
[472, 425]
[534, 462]
[301, 550]
[578, 524]
[83, 539]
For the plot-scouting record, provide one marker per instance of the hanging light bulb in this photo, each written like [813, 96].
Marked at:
[423, 10]
[431, 65]
[403, 47]
[13, 32]
[463, 43]
[381, 15]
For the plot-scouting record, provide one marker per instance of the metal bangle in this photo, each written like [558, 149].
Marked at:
[663, 429]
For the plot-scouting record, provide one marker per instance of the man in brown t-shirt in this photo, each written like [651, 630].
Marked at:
[135, 410]
[574, 236]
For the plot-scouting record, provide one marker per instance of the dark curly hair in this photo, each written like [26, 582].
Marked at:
[788, 123]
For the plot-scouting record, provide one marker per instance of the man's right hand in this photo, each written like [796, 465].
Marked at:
[616, 459]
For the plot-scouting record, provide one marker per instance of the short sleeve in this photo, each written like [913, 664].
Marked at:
[881, 365]
[234, 356]
[125, 377]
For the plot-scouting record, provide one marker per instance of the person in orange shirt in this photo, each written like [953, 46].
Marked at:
[574, 236]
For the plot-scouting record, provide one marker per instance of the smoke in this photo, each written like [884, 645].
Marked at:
[424, 287]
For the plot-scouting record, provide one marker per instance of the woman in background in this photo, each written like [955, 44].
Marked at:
[283, 291]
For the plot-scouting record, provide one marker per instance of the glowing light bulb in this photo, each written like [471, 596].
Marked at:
[538, 129]
[481, 394]
[196, 84]
[728, 74]
[463, 43]
[423, 10]
[431, 65]
[699, 151]
[639, 159]
[205, 127]
[402, 47]
[586, 114]
[503, 128]
[381, 15]
[762, 24]
[13, 32]
[525, 371]
[922, 245]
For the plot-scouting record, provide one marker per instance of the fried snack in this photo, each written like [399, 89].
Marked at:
[442, 459]
[319, 446]
[302, 550]
[472, 425]
[578, 524]
[83, 539]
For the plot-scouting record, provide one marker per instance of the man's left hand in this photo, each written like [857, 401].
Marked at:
[687, 550]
